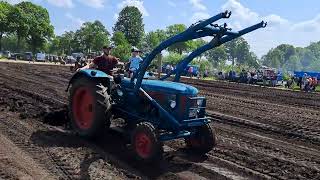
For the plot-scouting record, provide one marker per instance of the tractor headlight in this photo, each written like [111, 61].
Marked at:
[172, 101]
[119, 92]
[173, 104]
[199, 102]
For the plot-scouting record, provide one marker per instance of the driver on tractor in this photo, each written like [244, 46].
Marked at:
[105, 62]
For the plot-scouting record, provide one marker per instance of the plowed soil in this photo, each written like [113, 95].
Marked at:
[262, 133]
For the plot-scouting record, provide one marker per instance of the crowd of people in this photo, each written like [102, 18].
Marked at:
[267, 77]
[307, 83]
[250, 77]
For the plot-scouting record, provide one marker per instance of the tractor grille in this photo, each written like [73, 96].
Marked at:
[196, 107]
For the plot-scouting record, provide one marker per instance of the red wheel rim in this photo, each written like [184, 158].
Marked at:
[82, 107]
[143, 145]
[194, 142]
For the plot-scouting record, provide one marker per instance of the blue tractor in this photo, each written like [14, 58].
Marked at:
[154, 111]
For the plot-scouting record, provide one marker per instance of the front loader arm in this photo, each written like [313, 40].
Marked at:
[189, 34]
[222, 36]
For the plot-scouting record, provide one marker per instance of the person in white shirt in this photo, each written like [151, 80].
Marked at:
[255, 78]
[168, 68]
[134, 61]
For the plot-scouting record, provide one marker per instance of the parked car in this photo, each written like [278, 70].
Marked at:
[70, 60]
[76, 55]
[16, 56]
[6, 54]
[54, 58]
[92, 55]
[28, 56]
[41, 57]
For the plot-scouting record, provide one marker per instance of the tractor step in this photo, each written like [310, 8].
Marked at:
[172, 136]
[195, 122]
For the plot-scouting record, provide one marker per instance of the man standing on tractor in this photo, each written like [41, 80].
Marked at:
[134, 61]
[105, 62]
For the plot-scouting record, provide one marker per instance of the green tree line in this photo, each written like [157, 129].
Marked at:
[26, 24]
[292, 58]
[27, 27]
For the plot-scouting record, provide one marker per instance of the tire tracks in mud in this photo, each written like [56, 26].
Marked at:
[211, 163]
[277, 158]
[20, 137]
[249, 124]
[18, 164]
[296, 123]
[62, 153]
[271, 95]
[245, 149]
[263, 149]
[297, 120]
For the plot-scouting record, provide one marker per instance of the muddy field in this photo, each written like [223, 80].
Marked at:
[263, 133]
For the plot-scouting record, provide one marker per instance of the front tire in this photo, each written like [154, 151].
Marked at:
[203, 140]
[145, 143]
[88, 116]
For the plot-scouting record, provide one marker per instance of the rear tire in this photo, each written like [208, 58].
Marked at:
[145, 143]
[88, 117]
[203, 141]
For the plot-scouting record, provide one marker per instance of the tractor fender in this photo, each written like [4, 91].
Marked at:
[90, 73]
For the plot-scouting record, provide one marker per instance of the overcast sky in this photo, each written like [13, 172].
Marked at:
[289, 21]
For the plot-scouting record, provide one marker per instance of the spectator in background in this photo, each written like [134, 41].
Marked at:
[232, 75]
[168, 68]
[299, 82]
[264, 77]
[274, 80]
[243, 76]
[248, 77]
[205, 74]
[255, 78]
[198, 74]
[304, 81]
[308, 85]
[290, 82]
[220, 76]
[314, 83]
[190, 71]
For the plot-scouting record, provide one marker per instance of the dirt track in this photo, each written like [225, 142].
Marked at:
[262, 134]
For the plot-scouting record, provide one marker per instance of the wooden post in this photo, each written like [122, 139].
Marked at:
[159, 56]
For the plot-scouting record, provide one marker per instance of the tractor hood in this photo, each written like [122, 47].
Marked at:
[167, 87]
